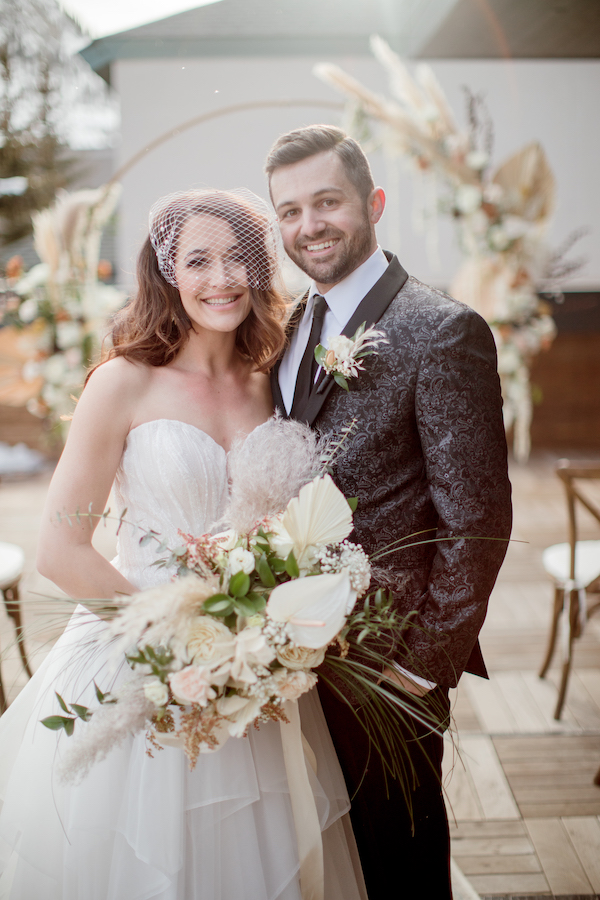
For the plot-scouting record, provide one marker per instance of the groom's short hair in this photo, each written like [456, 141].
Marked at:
[305, 142]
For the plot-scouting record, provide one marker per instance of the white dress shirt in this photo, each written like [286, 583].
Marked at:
[342, 300]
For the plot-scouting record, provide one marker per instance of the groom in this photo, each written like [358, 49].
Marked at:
[427, 457]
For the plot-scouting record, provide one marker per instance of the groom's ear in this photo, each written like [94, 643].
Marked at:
[376, 205]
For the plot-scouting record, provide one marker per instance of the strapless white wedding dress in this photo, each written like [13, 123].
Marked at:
[139, 827]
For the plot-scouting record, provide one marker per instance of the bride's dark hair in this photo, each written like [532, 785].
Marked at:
[154, 326]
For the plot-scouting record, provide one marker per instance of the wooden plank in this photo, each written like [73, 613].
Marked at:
[500, 865]
[492, 846]
[493, 791]
[544, 810]
[520, 884]
[525, 711]
[492, 710]
[524, 776]
[534, 793]
[544, 694]
[580, 703]
[464, 717]
[584, 832]
[557, 855]
[461, 798]
[590, 678]
[557, 747]
[488, 828]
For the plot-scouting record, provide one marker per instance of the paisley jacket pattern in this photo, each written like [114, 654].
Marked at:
[427, 461]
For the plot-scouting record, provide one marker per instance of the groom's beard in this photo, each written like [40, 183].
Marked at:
[349, 253]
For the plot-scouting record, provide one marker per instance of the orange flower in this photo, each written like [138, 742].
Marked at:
[14, 267]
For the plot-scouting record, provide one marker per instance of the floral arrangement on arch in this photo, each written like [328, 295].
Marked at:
[54, 317]
[501, 215]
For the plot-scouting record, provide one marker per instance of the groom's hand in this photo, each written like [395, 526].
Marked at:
[405, 682]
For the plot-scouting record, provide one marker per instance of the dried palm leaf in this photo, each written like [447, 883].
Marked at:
[528, 184]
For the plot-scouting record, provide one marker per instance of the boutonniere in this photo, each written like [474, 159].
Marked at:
[342, 359]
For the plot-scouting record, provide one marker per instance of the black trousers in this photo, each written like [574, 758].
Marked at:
[404, 854]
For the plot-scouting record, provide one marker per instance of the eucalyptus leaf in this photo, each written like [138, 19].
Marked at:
[339, 379]
[320, 354]
[81, 711]
[291, 566]
[277, 564]
[99, 693]
[263, 545]
[264, 572]
[63, 705]
[245, 606]
[55, 723]
[259, 601]
[239, 584]
[218, 605]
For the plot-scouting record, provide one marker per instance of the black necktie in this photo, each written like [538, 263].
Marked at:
[308, 365]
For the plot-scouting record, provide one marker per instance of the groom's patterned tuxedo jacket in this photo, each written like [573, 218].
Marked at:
[428, 452]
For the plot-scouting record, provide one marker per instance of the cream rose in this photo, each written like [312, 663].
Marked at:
[156, 692]
[209, 641]
[300, 657]
[291, 685]
[191, 685]
[241, 560]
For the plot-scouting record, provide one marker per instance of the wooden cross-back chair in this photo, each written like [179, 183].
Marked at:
[575, 568]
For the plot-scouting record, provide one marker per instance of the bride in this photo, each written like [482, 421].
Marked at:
[186, 376]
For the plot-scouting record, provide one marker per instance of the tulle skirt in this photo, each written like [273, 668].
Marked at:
[139, 827]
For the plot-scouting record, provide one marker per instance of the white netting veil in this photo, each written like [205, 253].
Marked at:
[216, 238]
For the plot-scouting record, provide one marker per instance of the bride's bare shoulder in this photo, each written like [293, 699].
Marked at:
[120, 374]
[113, 390]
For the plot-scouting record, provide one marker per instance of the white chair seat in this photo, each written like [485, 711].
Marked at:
[557, 562]
[12, 562]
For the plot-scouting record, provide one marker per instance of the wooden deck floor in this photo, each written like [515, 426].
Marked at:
[524, 812]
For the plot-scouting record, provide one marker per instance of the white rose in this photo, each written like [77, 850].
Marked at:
[156, 692]
[342, 346]
[291, 685]
[241, 560]
[209, 642]
[468, 198]
[477, 159]
[28, 310]
[226, 539]
[498, 237]
[55, 368]
[68, 334]
[294, 657]
[30, 371]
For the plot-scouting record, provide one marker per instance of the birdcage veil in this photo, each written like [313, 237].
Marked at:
[235, 231]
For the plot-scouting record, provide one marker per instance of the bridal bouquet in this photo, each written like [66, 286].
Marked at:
[251, 612]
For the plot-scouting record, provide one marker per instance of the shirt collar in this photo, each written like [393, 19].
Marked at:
[344, 297]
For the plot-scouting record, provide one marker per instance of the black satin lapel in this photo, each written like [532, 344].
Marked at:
[276, 390]
[291, 325]
[370, 310]
[375, 303]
